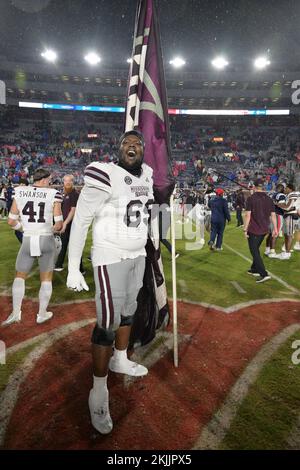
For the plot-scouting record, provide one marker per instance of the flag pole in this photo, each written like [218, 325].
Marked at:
[174, 284]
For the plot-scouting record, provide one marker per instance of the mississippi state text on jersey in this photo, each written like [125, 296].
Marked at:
[120, 227]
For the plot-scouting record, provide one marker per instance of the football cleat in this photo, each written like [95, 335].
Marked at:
[274, 255]
[99, 411]
[252, 273]
[42, 317]
[284, 255]
[127, 367]
[13, 318]
[263, 279]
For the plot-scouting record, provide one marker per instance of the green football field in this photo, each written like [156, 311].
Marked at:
[271, 408]
[218, 278]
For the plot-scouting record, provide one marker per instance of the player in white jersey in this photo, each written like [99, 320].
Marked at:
[32, 211]
[291, 209]
[115, 198]
[278, 198]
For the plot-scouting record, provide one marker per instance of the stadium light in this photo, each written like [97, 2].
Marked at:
[219, 63]
[92, 58]
[261, 63]
[177, 62]
[49, 55]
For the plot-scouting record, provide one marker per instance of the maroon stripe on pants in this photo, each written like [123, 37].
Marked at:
[102, 297]
[110, 301]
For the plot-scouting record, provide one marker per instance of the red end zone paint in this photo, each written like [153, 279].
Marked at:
[28, 328]
[165, 410]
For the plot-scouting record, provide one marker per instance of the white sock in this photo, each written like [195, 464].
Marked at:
[44, 296]
[120, 355]
[100, 386]
[18, 291]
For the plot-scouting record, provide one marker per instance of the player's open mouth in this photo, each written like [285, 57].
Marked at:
[131, 153]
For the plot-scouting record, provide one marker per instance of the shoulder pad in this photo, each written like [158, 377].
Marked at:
[98, 175]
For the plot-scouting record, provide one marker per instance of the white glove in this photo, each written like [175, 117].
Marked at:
[76, 281]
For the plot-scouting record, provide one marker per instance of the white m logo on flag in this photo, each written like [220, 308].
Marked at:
[134, 105]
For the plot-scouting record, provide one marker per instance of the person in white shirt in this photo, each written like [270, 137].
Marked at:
[291, 209]
[115, 198]
[32, 212]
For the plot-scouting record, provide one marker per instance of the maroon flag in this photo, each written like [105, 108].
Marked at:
[147, 111]
[147, 107]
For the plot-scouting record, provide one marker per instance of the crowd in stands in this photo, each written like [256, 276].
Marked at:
[236, 155]
[64, 148]
[201, 155]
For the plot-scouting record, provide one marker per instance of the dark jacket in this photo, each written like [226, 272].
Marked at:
[219, 209]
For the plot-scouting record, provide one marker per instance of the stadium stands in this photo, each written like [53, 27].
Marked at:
[201, 154]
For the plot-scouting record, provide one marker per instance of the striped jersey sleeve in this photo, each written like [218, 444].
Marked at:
[97, 175]
[58, 197]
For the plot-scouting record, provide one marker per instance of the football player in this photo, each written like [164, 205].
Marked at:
[115, 198]
[32, 211]
[278, 198]
[289, 218]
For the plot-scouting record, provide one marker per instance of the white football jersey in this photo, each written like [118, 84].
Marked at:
[208, 197]
[293, 199]
[120, 227]
[35, 207]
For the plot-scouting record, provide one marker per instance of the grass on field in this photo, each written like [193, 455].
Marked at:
[13, 361]
[202, 275]
[270, 410]
[266, 417]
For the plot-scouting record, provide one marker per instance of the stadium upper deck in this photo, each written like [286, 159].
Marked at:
[245, 89]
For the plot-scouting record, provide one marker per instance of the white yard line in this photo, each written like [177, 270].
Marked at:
[182, 283]
[9, 396]
[148, 354]
[278, 279]
[238, 287]
[41, 337]
[214, 432]
[293, 440]
[236, 307]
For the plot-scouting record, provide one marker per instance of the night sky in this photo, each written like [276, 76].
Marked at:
[195, 29]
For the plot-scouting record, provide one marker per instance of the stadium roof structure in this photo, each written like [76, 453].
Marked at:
[107, 86]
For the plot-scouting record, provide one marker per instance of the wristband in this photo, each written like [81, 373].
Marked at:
[13, 216]
[58, 218]
[18, 226]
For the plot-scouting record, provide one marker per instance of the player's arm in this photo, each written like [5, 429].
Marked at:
[68, 219]
[14, 217]
[247, 218]
[90, 201]
[226, 211]
[274, 223]
[58, 218]
[285, 205]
